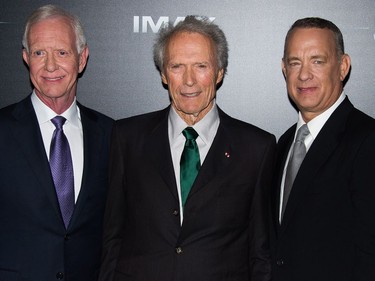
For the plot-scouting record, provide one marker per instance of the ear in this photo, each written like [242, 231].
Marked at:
[220, 76]
[164, 78]
[283, 68]
[83, 59]
[344, 66]
[25, 56]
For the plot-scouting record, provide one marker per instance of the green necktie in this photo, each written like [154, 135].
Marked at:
[190, 163]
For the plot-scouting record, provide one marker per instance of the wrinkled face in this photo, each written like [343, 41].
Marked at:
[53, 60]
[313, 71]
[191, 73]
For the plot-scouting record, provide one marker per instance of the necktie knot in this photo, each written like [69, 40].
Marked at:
[189, 133]
[58, 121]
[302, 133]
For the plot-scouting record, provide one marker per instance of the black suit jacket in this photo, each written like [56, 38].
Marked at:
[224, 235]
[34, 245]
[328, 229]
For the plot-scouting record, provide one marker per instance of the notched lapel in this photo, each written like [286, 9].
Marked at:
[26, 131]
[323, 146]
[92, 145]
[283, 150]
[158, 149]
[218, 158]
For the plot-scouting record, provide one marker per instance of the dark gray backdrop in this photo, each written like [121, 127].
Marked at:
[120, 79]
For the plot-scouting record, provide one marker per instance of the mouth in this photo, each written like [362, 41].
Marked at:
[191, 95]
[306, 90]
[53, 79]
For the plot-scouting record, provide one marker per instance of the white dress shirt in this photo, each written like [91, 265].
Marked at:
[314, 125]
[72, 129]
[206, 129]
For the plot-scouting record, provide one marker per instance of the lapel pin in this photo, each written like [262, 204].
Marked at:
[227, 154]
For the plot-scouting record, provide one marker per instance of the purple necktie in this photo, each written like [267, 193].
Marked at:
[60, 161]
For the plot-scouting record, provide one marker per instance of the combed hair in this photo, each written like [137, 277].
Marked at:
[192, 24]
[315, 22]
[49, 12]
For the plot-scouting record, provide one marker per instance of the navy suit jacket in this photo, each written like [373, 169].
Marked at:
[34, 245]
[328, 229]
[224, 235]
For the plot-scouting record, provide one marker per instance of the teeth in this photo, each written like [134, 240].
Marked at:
[53, 79]
[191, 94]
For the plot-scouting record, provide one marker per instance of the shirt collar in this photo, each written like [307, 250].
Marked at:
[317, 123]
[205, 128]
[45, 114]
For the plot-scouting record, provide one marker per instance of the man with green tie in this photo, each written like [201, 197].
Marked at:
[188, 184]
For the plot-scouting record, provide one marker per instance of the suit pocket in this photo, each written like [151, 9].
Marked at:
[8, 275]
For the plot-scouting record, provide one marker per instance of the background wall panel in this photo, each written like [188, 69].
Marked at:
[120, 79]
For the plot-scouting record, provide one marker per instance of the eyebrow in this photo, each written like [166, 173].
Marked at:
[312, 57]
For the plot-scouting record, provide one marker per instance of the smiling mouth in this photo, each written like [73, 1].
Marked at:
[306, 89]
[190, 95]
[52, 79]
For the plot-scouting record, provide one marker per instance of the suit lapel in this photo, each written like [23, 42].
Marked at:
[27, 134]
[92, 143]
[319, 152]
[284, 145]
[158, 149]
[217, 159]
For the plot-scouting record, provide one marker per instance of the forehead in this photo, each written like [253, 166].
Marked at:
[52, 27]
[311, 38]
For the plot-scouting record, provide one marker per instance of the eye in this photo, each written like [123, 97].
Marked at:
[62, 53]
[294, 63]
[38, 53]
[176, 68]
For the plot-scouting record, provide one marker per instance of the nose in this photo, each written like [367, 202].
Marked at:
[51, 63]
[189, 77]
[305, 73]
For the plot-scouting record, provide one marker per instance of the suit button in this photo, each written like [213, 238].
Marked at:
[280, 262]
[59, 275]
[175, 212]
[179, 250]
[66, 237]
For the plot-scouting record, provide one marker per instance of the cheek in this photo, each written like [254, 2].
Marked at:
[35, 68]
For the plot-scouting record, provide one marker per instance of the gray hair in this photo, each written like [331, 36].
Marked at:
[192, 24]
[52, 11]
[315, 22]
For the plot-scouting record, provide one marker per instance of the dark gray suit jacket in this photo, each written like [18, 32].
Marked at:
[34, 245]
[224, 235]
[328, 229]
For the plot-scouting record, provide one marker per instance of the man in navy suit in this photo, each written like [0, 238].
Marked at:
[219, 231]
[36, 243]
[325, 228]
